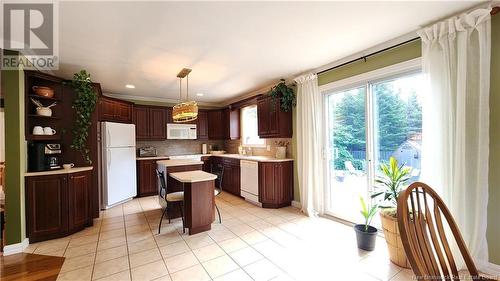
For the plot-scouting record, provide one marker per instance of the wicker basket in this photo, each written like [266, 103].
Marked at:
[391, 232]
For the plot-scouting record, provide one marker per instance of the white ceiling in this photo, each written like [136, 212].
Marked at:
[232, 47]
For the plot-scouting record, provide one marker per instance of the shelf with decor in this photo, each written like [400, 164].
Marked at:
[43, 137]
[43, 117]
[53, 99]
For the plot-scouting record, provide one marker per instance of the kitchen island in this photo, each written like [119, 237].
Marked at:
[174, 166]
[199, 199]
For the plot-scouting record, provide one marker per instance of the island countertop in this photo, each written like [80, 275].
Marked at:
[178, 162]
[193, 176]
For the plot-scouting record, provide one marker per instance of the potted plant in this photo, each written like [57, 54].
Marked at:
[392, 182]
[366, 235]
[285, 94]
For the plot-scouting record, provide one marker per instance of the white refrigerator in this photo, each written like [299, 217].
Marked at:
[118, 169]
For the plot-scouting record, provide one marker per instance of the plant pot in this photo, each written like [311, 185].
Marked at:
[393, 240]
[281, 152]
[366, 239]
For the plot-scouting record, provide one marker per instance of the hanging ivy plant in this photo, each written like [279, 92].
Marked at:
[84, 105]
[285, 94]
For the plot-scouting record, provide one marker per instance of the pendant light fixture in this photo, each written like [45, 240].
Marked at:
[184, 111]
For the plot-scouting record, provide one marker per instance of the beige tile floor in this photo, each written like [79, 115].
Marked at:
[251, 244]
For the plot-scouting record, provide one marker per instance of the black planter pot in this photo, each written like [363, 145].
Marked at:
[366, 239]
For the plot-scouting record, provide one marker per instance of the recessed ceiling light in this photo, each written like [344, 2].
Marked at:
[130, 86]
[200, 94]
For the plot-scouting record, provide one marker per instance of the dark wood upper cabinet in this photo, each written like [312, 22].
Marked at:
[202, 125]
[224, 124]
[141, 120]
[158, 123]
[57, 205]
[275, 184]
[114, 110]
[272, 122]
[150, 122]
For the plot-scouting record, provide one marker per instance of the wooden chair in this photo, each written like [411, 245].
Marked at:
[170, 198]
[420, 220]
[218, 170]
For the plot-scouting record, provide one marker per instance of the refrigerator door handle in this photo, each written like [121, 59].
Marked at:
[109, 158]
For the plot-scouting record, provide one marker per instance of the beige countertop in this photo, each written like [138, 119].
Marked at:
[151, 158]
[58, 172]
[254, 158]
[193, 176]
[178, 162]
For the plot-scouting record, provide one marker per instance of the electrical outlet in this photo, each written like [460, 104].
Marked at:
[268, 147]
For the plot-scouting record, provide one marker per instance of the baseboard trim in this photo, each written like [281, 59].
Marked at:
[491, 269]
[296, 204]
[16, 248]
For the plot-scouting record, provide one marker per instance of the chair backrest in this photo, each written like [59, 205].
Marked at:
[420, 221]
[218, 170]
[163, 183]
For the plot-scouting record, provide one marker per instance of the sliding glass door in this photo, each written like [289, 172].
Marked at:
[347, 167]
[367, 124]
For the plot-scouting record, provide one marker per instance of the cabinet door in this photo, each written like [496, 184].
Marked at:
[267, 183]
[169, 115]
[123, 112]
[141, 120]
[273, 119]
[202, 126]
[215, 124]
[158, 123]
[47, 207]
[147, 182]
[236, 180]
[78, 187]
[263, 117]
[234, 124]
[106, 110]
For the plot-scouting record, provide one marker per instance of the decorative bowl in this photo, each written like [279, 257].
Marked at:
[43, 91]
[44, 111]
[217, 152]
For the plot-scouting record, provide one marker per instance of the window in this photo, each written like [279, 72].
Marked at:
[367, 123]
[249, 127]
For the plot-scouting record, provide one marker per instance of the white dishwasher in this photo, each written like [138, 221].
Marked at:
[250, 180]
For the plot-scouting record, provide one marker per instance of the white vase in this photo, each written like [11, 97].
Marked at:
[281, 152]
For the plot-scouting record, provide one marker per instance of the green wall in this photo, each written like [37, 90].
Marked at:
[15, 154]
[403, 53]
[494, 178]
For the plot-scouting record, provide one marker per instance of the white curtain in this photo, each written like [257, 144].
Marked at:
[456, 60]
[309, 157]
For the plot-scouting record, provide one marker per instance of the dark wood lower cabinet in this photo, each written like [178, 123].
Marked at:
[147, 180]
[275, 184]
[57, 205]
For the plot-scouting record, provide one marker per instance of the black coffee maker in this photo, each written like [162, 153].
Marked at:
[44, 156]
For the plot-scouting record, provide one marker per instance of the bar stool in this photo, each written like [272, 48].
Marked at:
[170, 198]
[219, 172]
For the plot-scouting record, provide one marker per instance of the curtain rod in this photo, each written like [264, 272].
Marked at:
[369, 55]
[494, 11]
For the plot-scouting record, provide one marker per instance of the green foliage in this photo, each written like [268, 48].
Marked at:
[393, 181]
[367, 212]
[285, 94]
[84, 105]
[395, 120]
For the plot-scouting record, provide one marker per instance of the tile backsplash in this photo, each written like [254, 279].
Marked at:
[231, 146]
[180, 147]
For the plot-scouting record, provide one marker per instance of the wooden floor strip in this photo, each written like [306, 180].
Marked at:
[29, 267]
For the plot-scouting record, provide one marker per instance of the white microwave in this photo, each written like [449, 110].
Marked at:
[181, 131]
